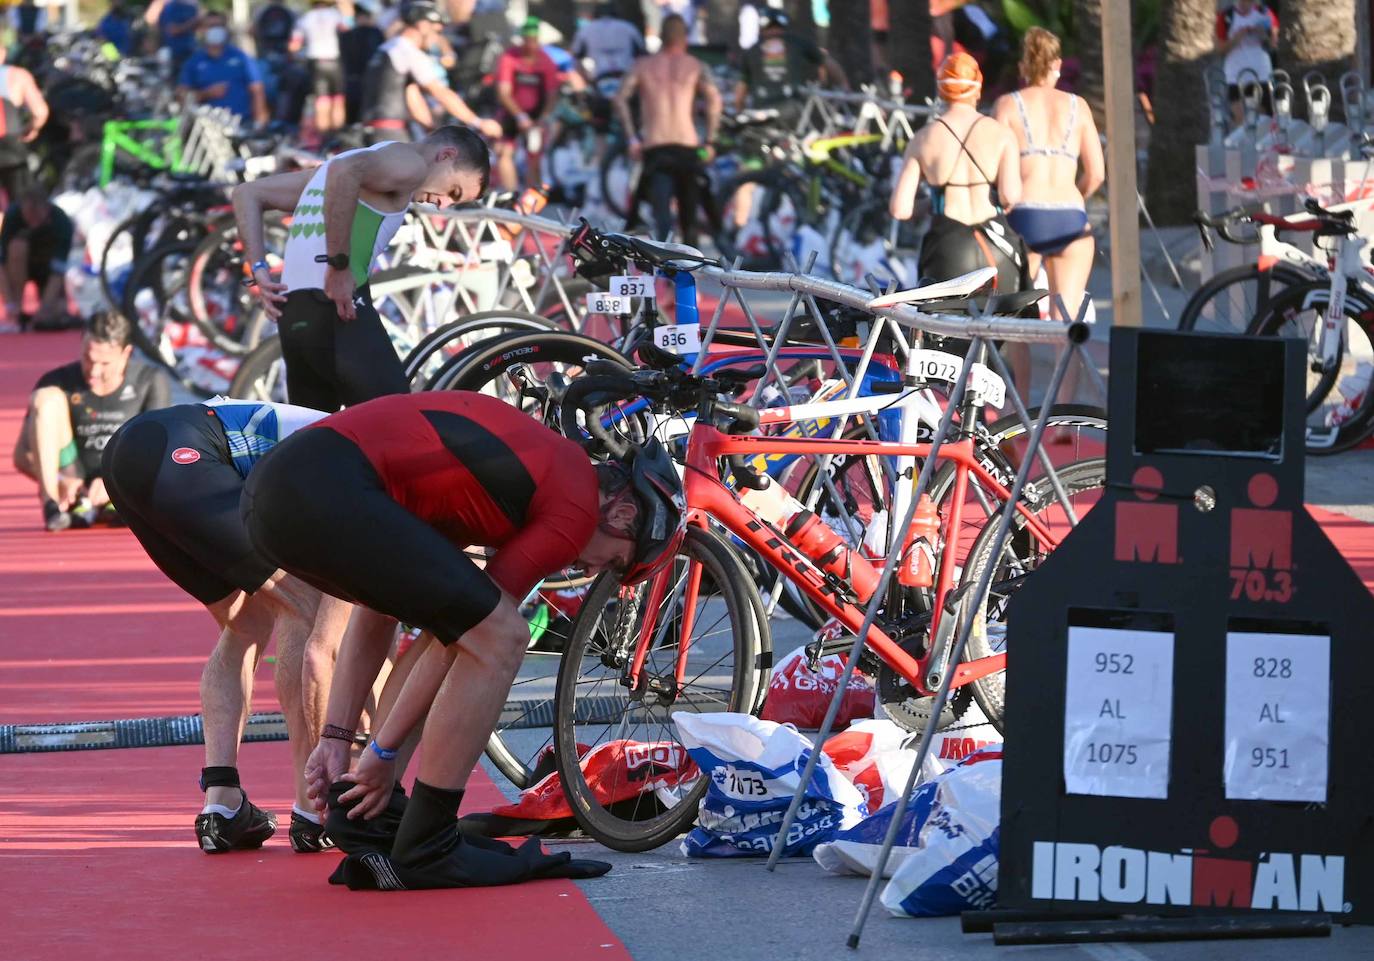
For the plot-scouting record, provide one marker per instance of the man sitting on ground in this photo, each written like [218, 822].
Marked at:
[74, 411]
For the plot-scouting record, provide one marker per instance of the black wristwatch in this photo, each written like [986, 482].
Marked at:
[337, 261]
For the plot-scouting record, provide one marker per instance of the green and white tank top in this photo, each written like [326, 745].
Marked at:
[372, 231]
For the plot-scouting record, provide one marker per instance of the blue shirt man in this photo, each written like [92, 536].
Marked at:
[115, 29]
[222, 75]
[172, 28]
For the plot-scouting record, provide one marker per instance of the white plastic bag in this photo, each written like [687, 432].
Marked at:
[754, 769]
[944, 859]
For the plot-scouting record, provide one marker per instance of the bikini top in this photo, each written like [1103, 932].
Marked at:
[1061, 151]
[937, 191]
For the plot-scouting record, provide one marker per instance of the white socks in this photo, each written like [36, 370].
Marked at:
[221, 809]
[310, 816]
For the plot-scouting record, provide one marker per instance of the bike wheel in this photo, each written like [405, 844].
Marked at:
[262, 375]
[226, 311]
[1339, 402]
[1022, 553]
[518, 367]
[155, 295]
[760, 213]
[440, 346]
[594, 706]
[1229, 302]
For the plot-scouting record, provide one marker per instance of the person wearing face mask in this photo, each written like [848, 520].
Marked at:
[221, 75]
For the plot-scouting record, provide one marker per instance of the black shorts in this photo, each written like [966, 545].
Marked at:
[332, 363]
[326, 78]
[13, 179]
[170, 475]
[317, 509]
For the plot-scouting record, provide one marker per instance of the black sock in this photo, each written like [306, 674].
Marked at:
[430, 811]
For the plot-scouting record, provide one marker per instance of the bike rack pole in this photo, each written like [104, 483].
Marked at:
[961, 638]
[871, 612]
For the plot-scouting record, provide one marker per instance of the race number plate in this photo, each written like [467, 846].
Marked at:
[1117, 711]
[633, 285]
[1278, 716]
[603, 303]
[942, 366]
[679, 338]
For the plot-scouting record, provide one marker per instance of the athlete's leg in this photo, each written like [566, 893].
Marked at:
[48, 433]
[506, 175]
[1068, 273]
[295, 605]
[15, 276]
[365, 361]
[687, 190]
[226, 684]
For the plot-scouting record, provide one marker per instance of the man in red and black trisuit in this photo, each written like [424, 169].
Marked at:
[376, 505]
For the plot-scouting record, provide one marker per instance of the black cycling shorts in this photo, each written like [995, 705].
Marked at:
[332, 363]
[317, 509]
[170, 475]
[326, 78]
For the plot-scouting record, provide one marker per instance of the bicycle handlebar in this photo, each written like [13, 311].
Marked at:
[1324, 222]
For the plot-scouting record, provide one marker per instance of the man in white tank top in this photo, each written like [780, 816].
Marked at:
[344, 213]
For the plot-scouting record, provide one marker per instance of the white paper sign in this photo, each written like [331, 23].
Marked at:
[603, 303]
[1278, 716]
[678, 338]
[1118, 712]
[633, 285]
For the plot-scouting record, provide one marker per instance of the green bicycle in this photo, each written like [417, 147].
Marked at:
[135, 147]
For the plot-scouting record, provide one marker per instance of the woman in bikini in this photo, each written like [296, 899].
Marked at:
[963, 155]
[1061, 164]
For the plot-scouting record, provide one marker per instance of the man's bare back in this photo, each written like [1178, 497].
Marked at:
[667, 85]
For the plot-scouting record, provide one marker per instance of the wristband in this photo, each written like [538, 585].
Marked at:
[382, 752]
[336, 733]
[261, 265]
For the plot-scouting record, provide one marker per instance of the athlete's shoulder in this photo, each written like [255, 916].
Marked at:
[145, 376]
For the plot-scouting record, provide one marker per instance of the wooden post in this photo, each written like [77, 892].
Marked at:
[1119, 75]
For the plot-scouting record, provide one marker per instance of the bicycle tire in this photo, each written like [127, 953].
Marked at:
[990, 691]
[618, 197]
[619, 829]
[148, 275]
[210, 249]
[1359, 315]
[1202, 311]
[478, 366]
[260, 376]
[436, 340]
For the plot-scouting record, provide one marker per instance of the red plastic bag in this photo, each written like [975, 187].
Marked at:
[799, 696]
[615, 771]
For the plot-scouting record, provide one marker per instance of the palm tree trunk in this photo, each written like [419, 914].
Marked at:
[561, 14]
[803, 23]
[1181, 111]
[1317, 35]
[908, 46]
[851, 39]
[1087, 24]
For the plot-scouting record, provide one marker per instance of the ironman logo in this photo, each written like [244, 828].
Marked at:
[185, 455]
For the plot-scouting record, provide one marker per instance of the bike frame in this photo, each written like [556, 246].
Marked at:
[708, 499]
[119, 135]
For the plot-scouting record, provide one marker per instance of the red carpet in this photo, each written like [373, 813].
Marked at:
[98, 860]
[89, 628]
[97, 854]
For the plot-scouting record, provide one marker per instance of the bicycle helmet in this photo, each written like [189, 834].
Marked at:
[419, 12]
[653, 479]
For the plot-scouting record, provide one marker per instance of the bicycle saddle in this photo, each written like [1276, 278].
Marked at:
[655, 252]
[1001, 304]
[965, 285]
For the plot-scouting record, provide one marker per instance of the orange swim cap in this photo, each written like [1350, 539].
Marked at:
[959, 80]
